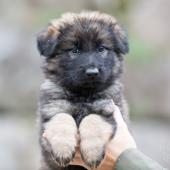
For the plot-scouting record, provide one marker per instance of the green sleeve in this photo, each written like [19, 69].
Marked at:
[132, 159]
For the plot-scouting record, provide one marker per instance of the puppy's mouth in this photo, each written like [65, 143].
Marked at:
[92, 83]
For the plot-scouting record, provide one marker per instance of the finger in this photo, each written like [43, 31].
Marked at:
[44, 135]
[118, 117]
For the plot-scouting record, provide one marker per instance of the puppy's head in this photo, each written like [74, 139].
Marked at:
[83, 52]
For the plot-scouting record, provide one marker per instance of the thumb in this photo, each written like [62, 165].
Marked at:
[118, 118]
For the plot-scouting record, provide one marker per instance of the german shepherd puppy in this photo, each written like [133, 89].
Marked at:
[82, 62]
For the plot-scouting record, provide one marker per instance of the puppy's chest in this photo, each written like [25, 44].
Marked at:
[80, 111]
[103, 107]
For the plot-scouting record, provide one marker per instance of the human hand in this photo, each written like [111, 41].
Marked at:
[122, 141]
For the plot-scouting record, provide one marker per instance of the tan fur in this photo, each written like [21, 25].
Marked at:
[70, 19]
[61, 136]
[53, 31]
[94, 134]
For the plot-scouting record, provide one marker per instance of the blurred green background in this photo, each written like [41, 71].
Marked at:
[146, 78]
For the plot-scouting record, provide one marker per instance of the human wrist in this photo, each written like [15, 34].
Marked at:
[120, 143]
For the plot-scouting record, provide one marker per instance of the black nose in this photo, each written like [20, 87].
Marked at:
[92, 72]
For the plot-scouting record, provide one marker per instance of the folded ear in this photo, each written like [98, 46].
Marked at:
[47, 41]
[120, 40]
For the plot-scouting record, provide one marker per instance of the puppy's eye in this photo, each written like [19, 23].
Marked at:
[101, 49]
[75, 50]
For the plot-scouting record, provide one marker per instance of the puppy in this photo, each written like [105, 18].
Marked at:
[82, 62]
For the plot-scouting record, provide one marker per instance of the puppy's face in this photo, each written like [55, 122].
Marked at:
[83, 52]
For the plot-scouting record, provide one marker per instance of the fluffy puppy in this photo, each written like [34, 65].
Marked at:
[82, 63]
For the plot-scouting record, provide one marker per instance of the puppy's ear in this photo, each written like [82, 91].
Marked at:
[120, 40]
[47, 40]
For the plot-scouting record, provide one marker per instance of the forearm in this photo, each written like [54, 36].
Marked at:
[51, 101]
[53, 107]
[132, 159]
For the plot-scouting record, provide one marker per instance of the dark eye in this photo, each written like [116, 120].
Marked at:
[75, 50]
[101, 49]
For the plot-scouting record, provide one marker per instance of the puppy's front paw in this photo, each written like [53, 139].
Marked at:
[60, 134]
[92, 151]
[95, 132]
